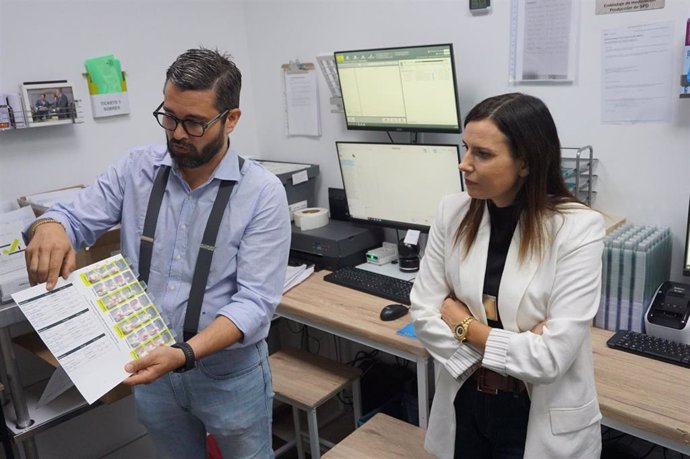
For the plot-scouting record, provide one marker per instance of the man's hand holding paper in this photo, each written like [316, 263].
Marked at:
[49, 254]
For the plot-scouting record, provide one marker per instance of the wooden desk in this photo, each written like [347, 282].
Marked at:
[382, 437]
[641, 396]
[354, 315]
[637, 395]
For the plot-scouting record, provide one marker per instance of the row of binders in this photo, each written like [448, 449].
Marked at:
[635, 262]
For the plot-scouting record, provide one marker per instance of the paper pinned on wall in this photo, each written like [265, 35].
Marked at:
[543, 41]
[637, 73]
[301, 100]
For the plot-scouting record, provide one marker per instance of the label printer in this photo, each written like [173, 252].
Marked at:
[669, 311]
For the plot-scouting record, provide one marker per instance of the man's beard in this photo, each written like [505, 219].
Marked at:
[193, 158]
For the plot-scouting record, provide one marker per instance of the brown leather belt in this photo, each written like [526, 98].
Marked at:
[490, 382]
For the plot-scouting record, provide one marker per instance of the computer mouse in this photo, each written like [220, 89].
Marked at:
[393, 311]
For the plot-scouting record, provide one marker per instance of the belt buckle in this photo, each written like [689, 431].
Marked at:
[482, 387]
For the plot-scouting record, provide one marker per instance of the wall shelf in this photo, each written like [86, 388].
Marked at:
[11, 119]
[577, 167]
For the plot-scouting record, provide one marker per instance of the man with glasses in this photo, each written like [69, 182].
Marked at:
[209, 232]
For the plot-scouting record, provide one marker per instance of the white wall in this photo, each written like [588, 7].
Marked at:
[644, 169]
[50, 40]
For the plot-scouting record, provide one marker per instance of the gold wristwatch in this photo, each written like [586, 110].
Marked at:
[460, 330]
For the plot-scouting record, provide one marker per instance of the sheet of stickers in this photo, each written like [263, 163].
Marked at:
[125, 305]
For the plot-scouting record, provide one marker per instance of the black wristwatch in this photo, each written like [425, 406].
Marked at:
[189, 358]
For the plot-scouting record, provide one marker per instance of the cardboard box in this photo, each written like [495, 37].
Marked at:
[107, 245]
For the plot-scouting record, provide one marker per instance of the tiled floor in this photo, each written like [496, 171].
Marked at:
[615, 445]
[142, 447]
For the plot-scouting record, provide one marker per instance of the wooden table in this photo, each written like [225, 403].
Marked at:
[354, 315]
[382, 437]
[641, 396]
[637, 395]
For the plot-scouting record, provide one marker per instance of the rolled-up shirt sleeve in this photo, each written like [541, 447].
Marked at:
[261, 265]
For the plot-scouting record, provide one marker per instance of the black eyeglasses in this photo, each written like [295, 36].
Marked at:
[191, 127]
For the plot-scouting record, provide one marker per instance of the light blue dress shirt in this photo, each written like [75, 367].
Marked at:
[248, 270]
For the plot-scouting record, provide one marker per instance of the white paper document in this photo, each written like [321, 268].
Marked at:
[13, 276]
[302, 103]
[95, 322]
[543, 40]
[296, 275]
[626, 6]
[12, 248]
[24, 216]
[637, 73]
[8, 204]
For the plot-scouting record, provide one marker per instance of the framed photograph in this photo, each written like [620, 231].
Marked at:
[50, 102]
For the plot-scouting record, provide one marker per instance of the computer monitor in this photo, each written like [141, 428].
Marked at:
[399, 89]
[397, 185]
[686, 259]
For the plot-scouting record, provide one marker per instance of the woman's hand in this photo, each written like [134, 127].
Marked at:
[539, 328]
[453, 311]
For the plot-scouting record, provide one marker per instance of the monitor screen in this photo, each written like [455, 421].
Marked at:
[686, 259]
[397, 185]
[399, 89]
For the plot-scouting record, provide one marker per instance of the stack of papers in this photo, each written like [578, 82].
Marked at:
[7, 205]
[296, 275]
[13, 276]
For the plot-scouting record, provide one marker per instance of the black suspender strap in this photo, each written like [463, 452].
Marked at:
[206, 249]
[152, 211]
[203, 260]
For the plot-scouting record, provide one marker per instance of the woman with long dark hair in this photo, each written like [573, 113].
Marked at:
[508, 287]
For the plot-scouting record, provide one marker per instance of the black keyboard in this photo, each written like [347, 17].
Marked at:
[651, 346]
[387, 287]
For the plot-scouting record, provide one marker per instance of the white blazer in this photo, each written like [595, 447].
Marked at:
[563, 287]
